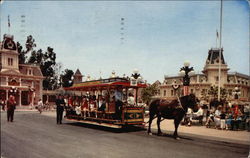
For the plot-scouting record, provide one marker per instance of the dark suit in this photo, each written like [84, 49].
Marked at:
[10, 111]
[59, 110]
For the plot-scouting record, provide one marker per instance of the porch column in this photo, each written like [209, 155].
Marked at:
[41, 89]
[20, 98]
[7, 95]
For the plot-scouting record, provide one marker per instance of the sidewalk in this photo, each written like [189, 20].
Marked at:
[242, 137]
[167, 126]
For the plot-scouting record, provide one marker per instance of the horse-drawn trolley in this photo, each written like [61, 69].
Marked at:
[112, 102]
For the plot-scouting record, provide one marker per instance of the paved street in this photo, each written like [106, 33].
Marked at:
[32, 135]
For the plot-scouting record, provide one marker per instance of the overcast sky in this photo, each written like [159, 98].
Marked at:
[155, 37]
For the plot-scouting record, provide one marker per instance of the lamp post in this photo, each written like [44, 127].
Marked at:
[186, 72]
[135, 74]
[236, 93]
[135, 77]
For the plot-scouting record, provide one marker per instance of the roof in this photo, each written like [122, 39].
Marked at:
[23, 68]
[78, 73]
[213, 56]
[104, 84]
[239, 75]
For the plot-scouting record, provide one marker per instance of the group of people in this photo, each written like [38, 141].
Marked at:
[224, 118]
[98, 105]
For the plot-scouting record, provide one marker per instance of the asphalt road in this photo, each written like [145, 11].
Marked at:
[32, 135]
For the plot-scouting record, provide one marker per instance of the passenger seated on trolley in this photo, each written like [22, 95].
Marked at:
[140, 103]
[102, 106]
[131, 99]
[92, 106]
[84, 107]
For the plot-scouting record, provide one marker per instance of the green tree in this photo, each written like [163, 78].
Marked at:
[66, 78]
[148, 92]
[46, 61]
[29, 45]
[213, 92]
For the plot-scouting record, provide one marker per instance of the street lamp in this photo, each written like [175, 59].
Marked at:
[236, 93]
[113, 75]
[186, 72]
[13, 90]
[135, 77]
[135, 74]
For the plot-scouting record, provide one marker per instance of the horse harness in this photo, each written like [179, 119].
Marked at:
[180, 105]
[176, 107]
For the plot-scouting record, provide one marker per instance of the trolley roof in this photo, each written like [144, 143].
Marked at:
[110, 83]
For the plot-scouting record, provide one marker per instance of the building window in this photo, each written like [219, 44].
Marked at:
[10, 61]
[216, 78]
[29, 72]
[172, 92]
[164, 92]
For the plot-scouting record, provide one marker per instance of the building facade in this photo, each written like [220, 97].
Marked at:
[201, 83]
[24, 81]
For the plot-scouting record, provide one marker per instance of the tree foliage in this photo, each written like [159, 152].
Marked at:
[66, 78]
[46, 60]
[213, 93]
[148, 93]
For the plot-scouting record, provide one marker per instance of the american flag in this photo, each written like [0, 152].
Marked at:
[217, 33]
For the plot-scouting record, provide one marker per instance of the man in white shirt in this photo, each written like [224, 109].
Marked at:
[131, 99]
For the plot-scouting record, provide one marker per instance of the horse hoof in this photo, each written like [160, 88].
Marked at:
[150, 133]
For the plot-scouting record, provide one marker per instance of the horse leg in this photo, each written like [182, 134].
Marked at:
[151, 117]
[158, 124]
[176, 124]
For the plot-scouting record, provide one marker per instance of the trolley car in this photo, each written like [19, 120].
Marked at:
[98, 103]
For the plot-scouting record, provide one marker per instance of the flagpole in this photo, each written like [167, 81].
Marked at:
[220, 49]
[217, 36]
[8, 24]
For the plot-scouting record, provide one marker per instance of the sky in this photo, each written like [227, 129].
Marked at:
[155, 37]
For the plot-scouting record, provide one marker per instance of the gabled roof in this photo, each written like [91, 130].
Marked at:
[78, 73]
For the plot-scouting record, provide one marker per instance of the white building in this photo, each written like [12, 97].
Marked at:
[201, 83]
[24, 81]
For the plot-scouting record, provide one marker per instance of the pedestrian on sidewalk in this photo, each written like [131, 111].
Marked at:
[60, 104]
[2, 102]
[40, 106]
[11, 106]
